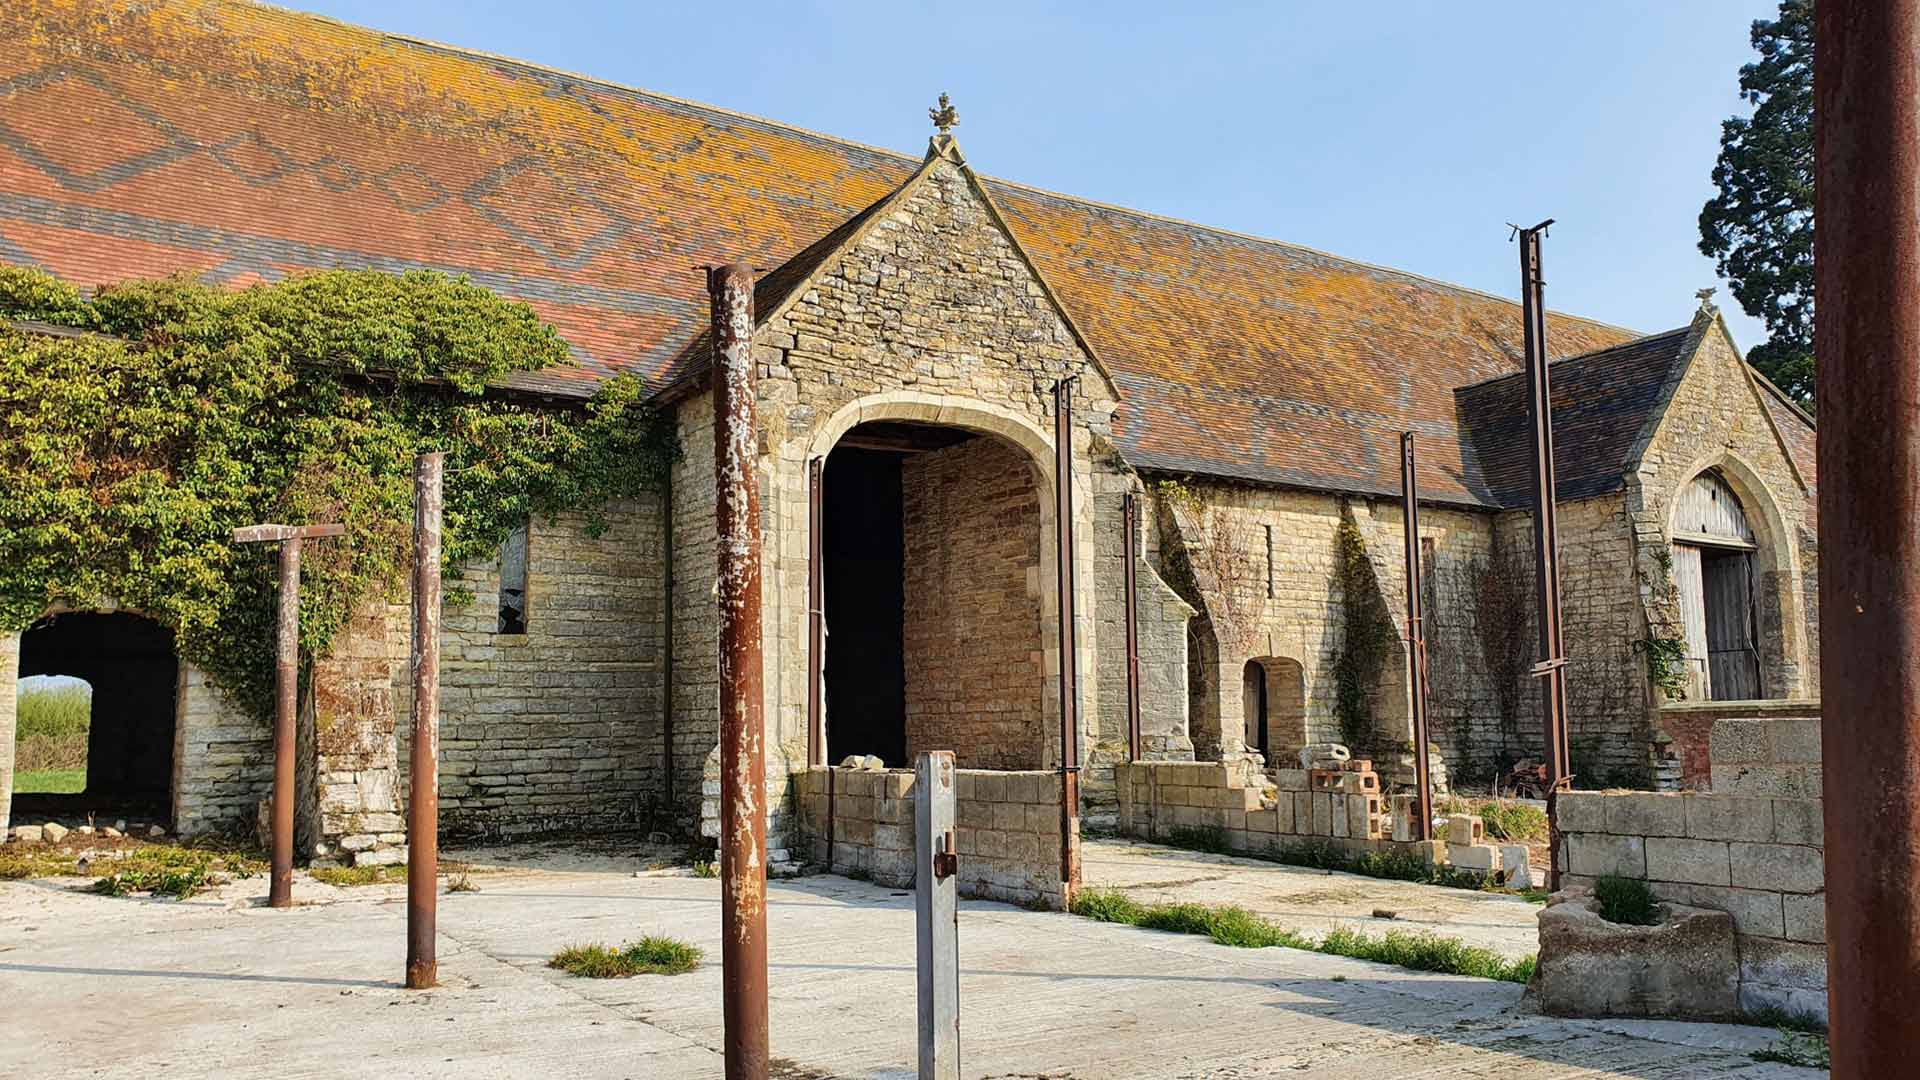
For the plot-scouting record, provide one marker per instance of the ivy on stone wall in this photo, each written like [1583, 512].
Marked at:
[1666, 665]
[1368, 635]
[129, 455]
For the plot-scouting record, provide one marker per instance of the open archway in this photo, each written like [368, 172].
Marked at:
[129, 665]
[1715, 554]
[934, 602]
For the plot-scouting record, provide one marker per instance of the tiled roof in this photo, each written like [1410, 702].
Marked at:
[243, 142]
[1601, 403]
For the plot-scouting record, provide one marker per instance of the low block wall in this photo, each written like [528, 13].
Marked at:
[1006, 829]
[1690, 725]
[1296, 808]
[1752, 848]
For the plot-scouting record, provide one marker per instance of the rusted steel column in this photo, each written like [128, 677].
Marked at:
[1067, 579]
[1552, 669]
[743, 769]
[286, 698]
[423, 802]
[816, 610]
[1867, 339]
[1130, 536]
[1416, 638]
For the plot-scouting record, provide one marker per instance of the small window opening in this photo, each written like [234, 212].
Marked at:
[513, 582]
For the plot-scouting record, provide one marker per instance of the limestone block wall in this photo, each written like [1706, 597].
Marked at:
[1690, 724]
[1007, 829]
[556, 729]
[222, 759]
[1289, 608]
[975, 678]
[350, 782]
[1753, 847]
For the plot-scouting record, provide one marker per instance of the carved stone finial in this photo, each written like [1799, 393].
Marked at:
[1706, 298]
[945, 116]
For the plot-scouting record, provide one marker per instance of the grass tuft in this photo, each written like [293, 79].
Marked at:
[1809, 1051]
[350, 876]
[1241, 928]
[1628, 901]
[651, 955]
[1503, 819]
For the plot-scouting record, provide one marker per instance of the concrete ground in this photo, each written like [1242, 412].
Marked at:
[100, 987]
[1312, 901]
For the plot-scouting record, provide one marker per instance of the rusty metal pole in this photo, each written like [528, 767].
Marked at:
[1867, 339]
[743, 787]
[423, 792]
[286, 700]
[1552, 668]
[1130, 533]
[1067, 581]
[286, 690]
[816, 610]
[1416, 639]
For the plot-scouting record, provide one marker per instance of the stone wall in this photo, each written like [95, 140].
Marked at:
[1752, 848]
[1232, 803]
[926, 313]
[971, 629]
[1007, 829]
[222, 759]
[556, 729]
[1688, 725]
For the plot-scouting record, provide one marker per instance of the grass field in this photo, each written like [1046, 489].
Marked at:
[50, 782]
[50, 737]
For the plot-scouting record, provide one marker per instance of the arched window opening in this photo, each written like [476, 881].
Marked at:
[1713, 573]
[1254, 689]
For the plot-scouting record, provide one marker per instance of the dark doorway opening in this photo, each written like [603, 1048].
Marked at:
[1255, 688]
[1733, 653]
[131, 665]
[865, 563]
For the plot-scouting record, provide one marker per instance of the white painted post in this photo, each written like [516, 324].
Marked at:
[9, 678]
[936, 915]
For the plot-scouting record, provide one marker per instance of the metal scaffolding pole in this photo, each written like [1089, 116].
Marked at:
[1416, 639]
[1867, 339]
[743, 766]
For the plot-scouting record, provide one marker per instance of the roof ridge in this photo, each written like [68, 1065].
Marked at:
[908, 159]
[1589, 354]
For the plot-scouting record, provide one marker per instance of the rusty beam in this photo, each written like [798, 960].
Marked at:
[423, 790]
[743, 787]
[1867, 339]
[1416, 639]
[1130, 538]
[286, 700]
[1066, 579]
[816, 610]
[261, 534]
[1552, 668]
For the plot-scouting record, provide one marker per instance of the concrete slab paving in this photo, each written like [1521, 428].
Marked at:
[1311, 901]
[102, 987]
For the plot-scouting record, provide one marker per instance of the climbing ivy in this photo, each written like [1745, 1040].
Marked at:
[1666, 665]
[128, 455]
[1368, 634]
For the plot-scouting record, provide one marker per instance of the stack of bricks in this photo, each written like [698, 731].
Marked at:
[1357, 808]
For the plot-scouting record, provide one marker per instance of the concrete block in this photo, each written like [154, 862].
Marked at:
[1342, 821]
[1647, 814]
[1598, 854]
[1321, 816]
[1692, 862]
[1283, 812]
[1729, 817]
[1755, 911]
[1473, 856]
[1685, 968]
[1265, 821]
[1768, 781]
[1794, 741]
[1515, 867]
[1465, 829]
[1303, 812]
[1805, 917]
[1799, 821]
[1290, 779]
[1738, 741]
[1797, 964]
[1581, 812]
[1784, 867]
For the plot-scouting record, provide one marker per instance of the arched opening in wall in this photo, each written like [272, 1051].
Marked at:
[1713, 572]
[1203, 686]
[931, 557]
[1275, 692]
[125, 753]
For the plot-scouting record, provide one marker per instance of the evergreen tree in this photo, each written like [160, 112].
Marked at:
[1759, 228]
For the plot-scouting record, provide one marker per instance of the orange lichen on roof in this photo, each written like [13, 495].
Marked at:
[250, 140]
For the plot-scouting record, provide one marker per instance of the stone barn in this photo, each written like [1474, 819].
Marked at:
[1233, 435]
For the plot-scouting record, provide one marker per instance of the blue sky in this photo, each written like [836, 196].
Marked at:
[1403, 134]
